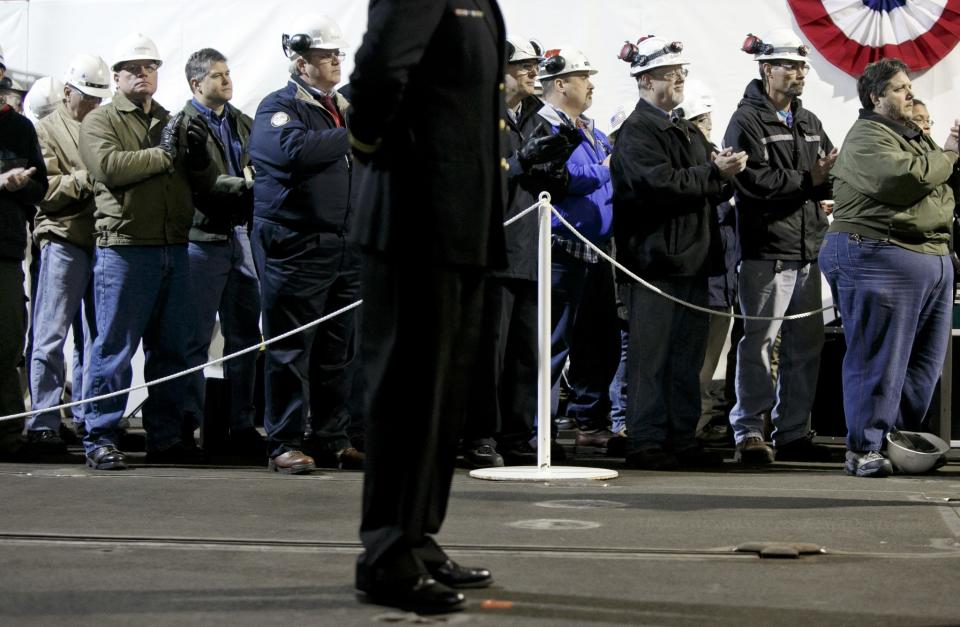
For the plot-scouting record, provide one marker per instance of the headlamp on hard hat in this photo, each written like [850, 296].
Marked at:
[631, 54]
[754, 45]
[296, 44]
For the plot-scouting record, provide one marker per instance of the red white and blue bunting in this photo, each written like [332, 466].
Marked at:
[853, 33]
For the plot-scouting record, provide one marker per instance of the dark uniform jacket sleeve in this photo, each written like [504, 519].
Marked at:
[395, 46]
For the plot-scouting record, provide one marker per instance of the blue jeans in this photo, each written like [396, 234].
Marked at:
[896, 310]
[773, 289]
[224, 281]
[141, 292]
[618, 387]
[667, 345]
[65, 283]
[304, 276]
[568, 276]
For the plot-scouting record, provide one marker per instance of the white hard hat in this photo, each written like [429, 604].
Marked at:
[3, 63]
[523, 49]
[135, 47]
[620, 116]
[779, 44]
[321, 33]
[914, 451]
[89, 74]
[651, 52]
[697, 100]
[43, 97]
[564, 60]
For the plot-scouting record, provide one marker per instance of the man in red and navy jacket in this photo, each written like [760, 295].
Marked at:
[307, 267]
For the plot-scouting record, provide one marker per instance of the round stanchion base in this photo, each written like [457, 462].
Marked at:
[535, 473]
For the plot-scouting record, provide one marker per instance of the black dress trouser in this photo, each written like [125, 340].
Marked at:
[419, 345]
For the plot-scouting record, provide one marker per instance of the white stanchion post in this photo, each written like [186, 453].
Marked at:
[543, 471]
[544, 331]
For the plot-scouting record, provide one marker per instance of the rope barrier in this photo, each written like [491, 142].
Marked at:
[354, 305]
[184, 373]
[657, 290]
[214, 362]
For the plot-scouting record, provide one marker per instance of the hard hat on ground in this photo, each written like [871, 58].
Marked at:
[564, 60]
[42, 98]
[135, 47]
[315, 33]
[89, 74]
[779, 44]
[915, 452]
[652, 52]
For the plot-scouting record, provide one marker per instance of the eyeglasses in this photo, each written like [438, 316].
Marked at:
[527, 66]
[919, 120]
[793, 66]
[321, 56]
[139, 68]
[673, 74]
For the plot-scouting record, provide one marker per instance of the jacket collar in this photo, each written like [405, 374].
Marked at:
[303, 93]
[557, 118]
[908, 132]
[660, 118]
[122, 103]
[72, 126]
[755, 96]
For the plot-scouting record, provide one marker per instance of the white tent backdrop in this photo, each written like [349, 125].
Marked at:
[39, 36]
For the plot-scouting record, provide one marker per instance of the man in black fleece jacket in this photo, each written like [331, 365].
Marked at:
[23, 183]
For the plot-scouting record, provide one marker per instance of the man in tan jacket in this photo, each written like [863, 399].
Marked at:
[144, 166]
[64, 232]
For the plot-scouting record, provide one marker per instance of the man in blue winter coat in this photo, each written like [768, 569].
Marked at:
[306, 265]
[565, 75]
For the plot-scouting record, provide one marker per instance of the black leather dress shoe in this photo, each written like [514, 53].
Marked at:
[422, 594]
[106, 457]
[454, 575]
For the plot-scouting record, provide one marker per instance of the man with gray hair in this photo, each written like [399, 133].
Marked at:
[65, 233]
[306, 264]
[222, 274]
[666, 180]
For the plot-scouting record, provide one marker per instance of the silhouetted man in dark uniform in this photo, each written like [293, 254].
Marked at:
[426, 130]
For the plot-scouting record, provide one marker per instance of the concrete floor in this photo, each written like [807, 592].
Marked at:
[241, 546]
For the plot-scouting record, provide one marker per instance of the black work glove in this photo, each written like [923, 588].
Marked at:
[548, 148]
[197, 133]
[572, 133]
[551, 177]
[170, 137]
